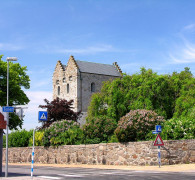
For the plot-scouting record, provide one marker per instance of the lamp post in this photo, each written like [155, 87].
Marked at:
[8, 60]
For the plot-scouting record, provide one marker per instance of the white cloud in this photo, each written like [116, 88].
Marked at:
[10, 47]
[86, 50]
[185, 54]
[36, 99]
[31, 114]
[189, 27]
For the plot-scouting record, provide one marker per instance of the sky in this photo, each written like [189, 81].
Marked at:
[147, 33]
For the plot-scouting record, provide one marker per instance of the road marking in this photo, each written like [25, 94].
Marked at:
[49, 177]
[71, 175]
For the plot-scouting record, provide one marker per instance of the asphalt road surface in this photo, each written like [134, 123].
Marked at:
[95, 174]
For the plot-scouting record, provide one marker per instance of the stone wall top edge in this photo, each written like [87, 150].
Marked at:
[106, 144]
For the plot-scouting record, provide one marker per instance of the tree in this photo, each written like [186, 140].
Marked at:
[17, 79]
[165, 94]
[59, 109]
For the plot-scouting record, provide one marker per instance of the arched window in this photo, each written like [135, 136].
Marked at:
[57, 82]
[70, 78]
[68, 88]
[64, 80]
[58, 90]
[93, 87]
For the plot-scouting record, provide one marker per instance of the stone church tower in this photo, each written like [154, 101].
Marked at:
[78, 80]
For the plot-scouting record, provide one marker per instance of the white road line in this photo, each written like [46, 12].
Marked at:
[49, 177]
[71, 175]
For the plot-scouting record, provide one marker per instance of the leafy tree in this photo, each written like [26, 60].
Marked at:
[17, 79]
[164, 94]
[59, 109]
[184, 87]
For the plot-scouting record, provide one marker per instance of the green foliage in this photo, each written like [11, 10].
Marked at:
[63, 133]
[113, 139]
[164, 94]
[17, 79]
[186, 100]
[19, 138]
[100, 129]
[38, 139]
[180, 128]
[59, 109]
[136, 125]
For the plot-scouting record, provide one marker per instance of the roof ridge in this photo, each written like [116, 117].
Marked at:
[95, 63]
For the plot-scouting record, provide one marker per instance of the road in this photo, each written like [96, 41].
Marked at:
[94, 174]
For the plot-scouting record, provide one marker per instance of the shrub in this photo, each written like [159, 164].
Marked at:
[136, 125]
[180, 128]
[38, 139]
[100, 129]
[19, 138]
[62, 133]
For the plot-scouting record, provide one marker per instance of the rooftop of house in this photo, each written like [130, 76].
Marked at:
[98, 68]
[95, 68]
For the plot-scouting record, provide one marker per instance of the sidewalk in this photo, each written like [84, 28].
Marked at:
[165, 168]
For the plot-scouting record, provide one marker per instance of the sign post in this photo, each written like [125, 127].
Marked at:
[159, 157]
[158, 142]
[2, 126]
[33, 153]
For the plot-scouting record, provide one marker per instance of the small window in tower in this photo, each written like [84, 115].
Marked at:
[93, 87]
[57, 81]
[58, 90]
[68, 88]
[70, 78]
[64, 80]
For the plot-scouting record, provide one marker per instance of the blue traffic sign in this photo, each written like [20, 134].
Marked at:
[8, 109]
[155, 132]
[158, 128]
[42, 115]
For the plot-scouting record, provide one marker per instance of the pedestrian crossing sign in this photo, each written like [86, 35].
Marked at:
[42, 115]
[158, 141]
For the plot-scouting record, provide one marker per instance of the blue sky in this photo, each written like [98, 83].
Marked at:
[151, 34]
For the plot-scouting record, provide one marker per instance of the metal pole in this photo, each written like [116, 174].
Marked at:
[33, 153]
[159, 156]
[6, 165]
[1, 150]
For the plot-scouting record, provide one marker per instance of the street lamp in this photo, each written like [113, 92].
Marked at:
[8, 60]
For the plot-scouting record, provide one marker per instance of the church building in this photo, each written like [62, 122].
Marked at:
[78, 80]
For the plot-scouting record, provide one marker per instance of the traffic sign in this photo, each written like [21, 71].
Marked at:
[8, 109]
[42, 115]
[158, 141]
[158, 128]
[155, 132]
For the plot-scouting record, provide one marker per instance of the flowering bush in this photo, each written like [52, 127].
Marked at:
[62, 133]
[100, 129]
[136, 124]
[180, 128]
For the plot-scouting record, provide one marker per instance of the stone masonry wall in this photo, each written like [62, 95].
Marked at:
[132, 153]
[87, 79]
